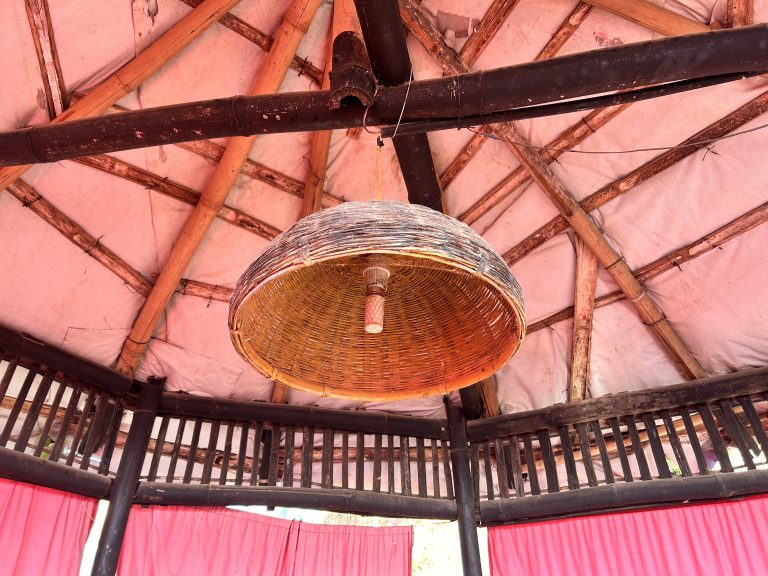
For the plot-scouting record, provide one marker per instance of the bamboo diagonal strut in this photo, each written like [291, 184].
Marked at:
[724, 234]
[651, 16]
[92, 246]
[584, 299]
[129, 76]
[255, 170]
[568, 138]
[580, 221]
[116, 167]
[47, 56]
[295, 24]
[718, 129]
[263, 41]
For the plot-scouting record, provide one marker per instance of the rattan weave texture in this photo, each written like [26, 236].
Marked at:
[453, 312]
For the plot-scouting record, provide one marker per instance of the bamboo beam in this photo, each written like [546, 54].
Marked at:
[586, 284]
[110, 165]
[484, 32]
[303, 66]
[651, 16]
[674, 259]
[718, 129]
[539, 87]
[47, 56]
[561, 36]
[79, 236]
[581, 222]
[739, 13]
[129, 76]
[295, 24]
[487, 389]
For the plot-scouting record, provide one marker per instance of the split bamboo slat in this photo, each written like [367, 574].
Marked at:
[50, 68]
[739, 13]
[295, 24]
[132, 74]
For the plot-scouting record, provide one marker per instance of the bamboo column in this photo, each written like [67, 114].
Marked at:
[128, 77]
[295, 24]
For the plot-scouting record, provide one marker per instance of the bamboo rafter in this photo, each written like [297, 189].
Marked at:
[551, 48]
[739, 13]
[130, 75]
[584, 300]
[292, 29]
[674, 259]
[583, 225]
[652, 16]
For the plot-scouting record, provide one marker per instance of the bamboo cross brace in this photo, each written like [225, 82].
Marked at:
[739, 13]
[718, 129]
[651, 16]
[719, 237]
[111, 165]
[292, 29]
[584, 301]
[92, 246]
[484, 32]
[580, 221]
[211, 151]
[47, 56]
[563, 34]
[130, 75]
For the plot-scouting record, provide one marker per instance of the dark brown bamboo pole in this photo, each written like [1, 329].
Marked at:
[127, 477]
[742, 50]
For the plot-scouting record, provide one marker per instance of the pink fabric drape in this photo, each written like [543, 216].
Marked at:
[42, 531]
[171, 541]
[705, 539]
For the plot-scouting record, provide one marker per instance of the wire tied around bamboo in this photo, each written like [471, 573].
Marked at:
[310, 311]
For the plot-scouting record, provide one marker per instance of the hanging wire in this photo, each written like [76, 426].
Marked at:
[704, 141]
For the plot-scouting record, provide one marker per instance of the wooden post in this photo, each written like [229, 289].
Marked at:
[127, 478]
[462, 482]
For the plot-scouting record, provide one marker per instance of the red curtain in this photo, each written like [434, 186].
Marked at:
[716, 539]
[42, 531]
[215, 541]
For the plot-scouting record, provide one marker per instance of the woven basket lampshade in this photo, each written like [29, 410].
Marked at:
[377, 300]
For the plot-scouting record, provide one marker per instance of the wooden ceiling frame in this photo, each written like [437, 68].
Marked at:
[294, 25]
[649, 311]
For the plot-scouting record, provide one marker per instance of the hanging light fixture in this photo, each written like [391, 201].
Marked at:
[377, 300]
